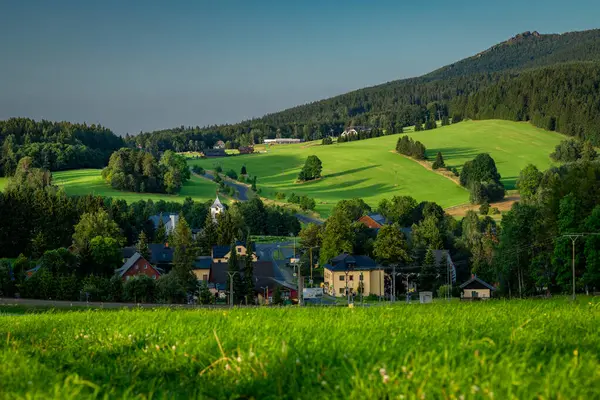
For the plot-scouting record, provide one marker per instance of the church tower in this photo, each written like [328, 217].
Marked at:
[216, 208]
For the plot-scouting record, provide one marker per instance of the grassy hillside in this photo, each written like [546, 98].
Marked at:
[370, 170]
[513, 145]
[366, 169]
[522, 349]
[89, 181]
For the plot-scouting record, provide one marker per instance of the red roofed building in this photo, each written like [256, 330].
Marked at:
[137, 265]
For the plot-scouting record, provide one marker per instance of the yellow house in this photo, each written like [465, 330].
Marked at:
[475, 289]
[347, 273]
[221, 254]
[202, 268]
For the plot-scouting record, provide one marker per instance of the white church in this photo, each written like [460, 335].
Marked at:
[216, 208]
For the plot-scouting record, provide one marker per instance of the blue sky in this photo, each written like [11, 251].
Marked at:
[144, 65]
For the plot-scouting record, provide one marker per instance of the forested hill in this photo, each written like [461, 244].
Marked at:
[527, 50]
[534, 68]
[55, 145]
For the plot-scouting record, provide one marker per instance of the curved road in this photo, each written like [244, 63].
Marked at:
[243, 196]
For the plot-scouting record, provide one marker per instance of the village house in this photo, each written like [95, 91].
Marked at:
[170, 221]
[201, 268]
[161, 255]
[137, 265]
[355, 130]
[264, 278]
[373, 220]
[476, 289]
[221, 254]
[345, 273]
[219, 145]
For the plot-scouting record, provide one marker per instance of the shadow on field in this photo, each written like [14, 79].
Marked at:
[509, 182]
[351, 171]
[451, 153]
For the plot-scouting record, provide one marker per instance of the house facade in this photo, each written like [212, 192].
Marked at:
[169, 220]
[137, 265]
[219, 145]
[221, 254]
[476, 289]
[201, 268]
[373, 221]
[345, 274]
[354, 130]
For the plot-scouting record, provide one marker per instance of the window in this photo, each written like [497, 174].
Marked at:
[137, 267]
[145, 266]
[350, 277]
[342, 277]
[127, 277]
[153, 276]
[342, 290]
[205, 277]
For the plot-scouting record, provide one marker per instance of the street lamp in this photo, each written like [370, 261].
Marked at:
[265, 290]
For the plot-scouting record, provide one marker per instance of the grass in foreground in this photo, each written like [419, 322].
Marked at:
[495, 350]
[370, 170]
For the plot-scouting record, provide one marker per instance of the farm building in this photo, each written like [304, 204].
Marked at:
[282, 141]
[137, 265]
[346, 272]
[355, 130]
[214, 153]
[475, 289]
[246, 149]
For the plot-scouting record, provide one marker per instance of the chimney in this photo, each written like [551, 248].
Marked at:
[166, 245]
[472, 276]
[172, 217]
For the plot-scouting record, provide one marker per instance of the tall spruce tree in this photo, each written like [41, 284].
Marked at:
[428, 274]
[160, 235]
[249, 271]
[234, 268]
[142, 246]
[184, 253]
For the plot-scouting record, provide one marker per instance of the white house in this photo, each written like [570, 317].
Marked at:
[216, 208]
[170, 220]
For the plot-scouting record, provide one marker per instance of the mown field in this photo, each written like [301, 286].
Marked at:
[89, 181]
[496, 350]
[370, 170]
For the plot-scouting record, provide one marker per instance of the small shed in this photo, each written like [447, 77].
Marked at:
[425, 297]
[475, 289]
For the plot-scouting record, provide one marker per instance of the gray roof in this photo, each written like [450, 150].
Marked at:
[128, 264]
[380, 219]
[160, 254]
[166, 218]
[346, 261]
[203, 262]
[477, 280]
[217, 204]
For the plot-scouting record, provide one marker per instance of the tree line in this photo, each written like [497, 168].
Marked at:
[55, 145]
[139, 171]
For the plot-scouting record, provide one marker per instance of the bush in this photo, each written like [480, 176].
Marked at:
[170, 289]
[484, 208]
[409, 147]
[218, 169]
[306, 203]
[494, 211]
[243, 170]
[327, 140]
[231, 174]
[294, 198]
[443, 291]
[198, 170]
[280, 196]
[140, 289]
[439, 161]
[454, 171]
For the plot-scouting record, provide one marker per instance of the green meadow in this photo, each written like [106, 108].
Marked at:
[519, 349]
[89, 181]
[512, 145]
[369, 169]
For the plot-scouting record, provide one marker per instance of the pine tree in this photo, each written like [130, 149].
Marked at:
[588, 153]
[234, 268]
[184, 253]
[160, 235]
[439, 161]
[208, 237]
[142, 246]
[428, 274]
[249, 271]
[243, 171]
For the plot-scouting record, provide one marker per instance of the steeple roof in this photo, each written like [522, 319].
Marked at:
[217, 203]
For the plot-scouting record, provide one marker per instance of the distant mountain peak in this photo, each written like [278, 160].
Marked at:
[513, 40]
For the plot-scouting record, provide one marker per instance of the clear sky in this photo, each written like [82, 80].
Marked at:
[144, 65]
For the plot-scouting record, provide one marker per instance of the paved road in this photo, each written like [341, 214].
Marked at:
[241, 189]
[243, 196]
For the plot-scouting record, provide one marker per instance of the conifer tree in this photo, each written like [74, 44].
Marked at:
[234, 268]
[142, 246]
[249, 271]
[428, 273]
[439, 161]
[160, 235]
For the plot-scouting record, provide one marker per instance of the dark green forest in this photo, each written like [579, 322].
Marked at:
[55, 145]
[550, 80]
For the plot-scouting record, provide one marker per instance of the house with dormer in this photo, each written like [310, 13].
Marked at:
[221, 254]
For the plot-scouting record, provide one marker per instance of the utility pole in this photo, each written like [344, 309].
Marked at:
[311, 266]
[231, 275]
[300, 285]
[393, 283]
[573, 237]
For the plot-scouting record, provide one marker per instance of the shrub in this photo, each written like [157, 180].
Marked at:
[439, 161]
[494, 211]
[306, 203]
[454, 171]
[198, 170]
[327, 140]
[293, 198]
[231, 174]
[140, 289]
[280, 196]
[443, 291]
[243, 170]
[218, 169]
[484, 208]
